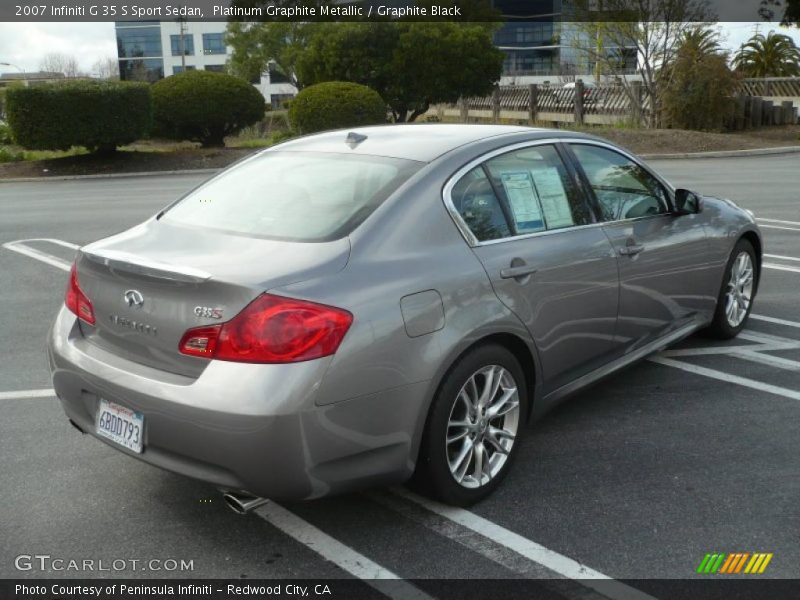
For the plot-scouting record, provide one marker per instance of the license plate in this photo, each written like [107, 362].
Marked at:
[119, 424]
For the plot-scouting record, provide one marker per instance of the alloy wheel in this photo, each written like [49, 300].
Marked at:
[740, 289]
[482, 426]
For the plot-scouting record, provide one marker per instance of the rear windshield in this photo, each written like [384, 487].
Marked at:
[297, 196]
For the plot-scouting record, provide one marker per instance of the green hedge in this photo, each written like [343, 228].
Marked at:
[336, 105]
[205, 106]
[99, 115]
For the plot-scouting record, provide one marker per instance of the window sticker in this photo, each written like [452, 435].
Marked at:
[523, 200]
[553, 198]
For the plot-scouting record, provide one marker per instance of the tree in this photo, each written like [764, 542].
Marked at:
[791, 11]
[56, 62]
[773, 55]
[410, 64]
[106, 68]
[701, 40]
[701, 86]
[255, 45]
[649, 30]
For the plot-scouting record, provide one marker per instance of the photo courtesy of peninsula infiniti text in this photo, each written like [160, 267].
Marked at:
[388, 304]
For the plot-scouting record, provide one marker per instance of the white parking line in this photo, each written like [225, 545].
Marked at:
[69, 245]
[767, 319]
[22, 394]
[20, 247]
[780, 257]
[342, 556]
[723, 376]
[534, 552]
[767, 359]
[764, 219]
[778, 267]
[763, 225]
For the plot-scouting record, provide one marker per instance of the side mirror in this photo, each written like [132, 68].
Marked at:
[687, 203]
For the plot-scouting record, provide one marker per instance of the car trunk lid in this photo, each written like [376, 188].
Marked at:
[150, 284]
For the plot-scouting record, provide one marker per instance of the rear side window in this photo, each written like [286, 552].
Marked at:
[521, 192]
[478, 206]
[295, 196]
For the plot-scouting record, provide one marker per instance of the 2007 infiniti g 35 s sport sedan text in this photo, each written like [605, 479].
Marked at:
[354, 308]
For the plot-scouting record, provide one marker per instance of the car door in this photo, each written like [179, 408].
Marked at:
[663, 267]
[548, 261]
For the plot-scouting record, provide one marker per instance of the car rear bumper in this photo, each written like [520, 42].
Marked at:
[253, 428]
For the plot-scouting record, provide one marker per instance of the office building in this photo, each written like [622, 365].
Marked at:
[152, 50]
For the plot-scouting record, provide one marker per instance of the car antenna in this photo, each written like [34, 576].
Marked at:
[354, 139]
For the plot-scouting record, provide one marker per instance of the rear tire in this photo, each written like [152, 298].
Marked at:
[474, 427]
[735, 300]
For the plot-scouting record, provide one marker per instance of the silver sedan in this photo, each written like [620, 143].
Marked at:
[360, 308]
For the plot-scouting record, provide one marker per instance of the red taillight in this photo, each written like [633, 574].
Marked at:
[76, 300]
[272, 329]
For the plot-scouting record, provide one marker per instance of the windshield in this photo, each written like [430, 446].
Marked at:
[296, 196]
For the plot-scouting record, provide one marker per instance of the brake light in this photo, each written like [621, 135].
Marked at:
[76, 300]
[272, 329]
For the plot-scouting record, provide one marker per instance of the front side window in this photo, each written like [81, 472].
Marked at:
[538, 190]
[213, 43]
[623, 189]
[295, 196]
[520, 192]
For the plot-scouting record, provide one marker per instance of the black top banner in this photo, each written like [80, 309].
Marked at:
[775, 11]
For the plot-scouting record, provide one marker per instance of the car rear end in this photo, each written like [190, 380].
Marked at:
[176, 346]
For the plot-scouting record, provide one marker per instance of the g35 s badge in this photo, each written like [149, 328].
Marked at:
[206, 312]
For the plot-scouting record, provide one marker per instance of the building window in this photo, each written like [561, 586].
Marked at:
[276, 76]
[179, 69]
[188, 45]
[145, 69]
[213, 43]
[543, 33]
[216, 68]
[138, 42]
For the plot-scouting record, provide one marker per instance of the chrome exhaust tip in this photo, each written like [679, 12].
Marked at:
[242, 504]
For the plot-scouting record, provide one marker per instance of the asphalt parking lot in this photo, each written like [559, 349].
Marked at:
[693, 451]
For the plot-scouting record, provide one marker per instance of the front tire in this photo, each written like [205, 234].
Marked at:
[474, 427]
[736, 296]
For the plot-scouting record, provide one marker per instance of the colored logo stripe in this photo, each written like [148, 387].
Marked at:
[734, 562]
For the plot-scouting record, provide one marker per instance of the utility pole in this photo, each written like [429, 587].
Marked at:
[182, 25]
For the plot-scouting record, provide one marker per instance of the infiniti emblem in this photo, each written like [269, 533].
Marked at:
[134, 298]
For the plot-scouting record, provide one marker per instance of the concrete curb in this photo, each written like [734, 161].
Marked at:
[716, 154]
[725, 153]
[111, 175]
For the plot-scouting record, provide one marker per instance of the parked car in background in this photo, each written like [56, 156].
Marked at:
[359, 308]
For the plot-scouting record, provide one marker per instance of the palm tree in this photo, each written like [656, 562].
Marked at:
[702, 40]
[772, 56]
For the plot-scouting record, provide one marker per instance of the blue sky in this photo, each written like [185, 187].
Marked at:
[25, 44]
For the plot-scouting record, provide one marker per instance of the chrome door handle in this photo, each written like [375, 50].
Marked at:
[517, 272]
[631, 250]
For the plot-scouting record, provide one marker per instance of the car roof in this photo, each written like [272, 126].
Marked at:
[422, 142]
